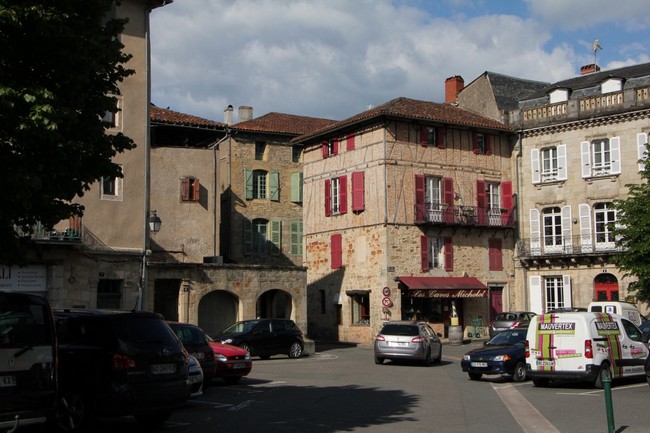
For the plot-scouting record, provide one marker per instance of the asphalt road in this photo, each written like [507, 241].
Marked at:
[340, 389]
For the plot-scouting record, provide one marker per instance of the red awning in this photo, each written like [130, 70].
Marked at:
[444, 287]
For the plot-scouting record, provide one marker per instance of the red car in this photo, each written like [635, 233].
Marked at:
[232, 362]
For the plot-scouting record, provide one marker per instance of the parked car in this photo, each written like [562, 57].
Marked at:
[509, 320]
[407, 340]
[567, 310]
[115, 363]
[196, 342]
[233, 362]
[195, 373]
[27, 360]
[504, 354]
[265, 337]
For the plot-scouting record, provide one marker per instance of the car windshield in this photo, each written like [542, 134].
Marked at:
[23, 323]
[190, 335]
[240, 327]
[399, 330]
[139, 329]
[508, 338]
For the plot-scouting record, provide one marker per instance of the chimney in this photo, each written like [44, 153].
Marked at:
[589, 69]
[227, 115]
[453, 85]
[245, 114]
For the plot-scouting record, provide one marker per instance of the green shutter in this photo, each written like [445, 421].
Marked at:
[248, 237]
[276, 237]
[248, 180]
[296, 187]
[274, 181]
[296, 238]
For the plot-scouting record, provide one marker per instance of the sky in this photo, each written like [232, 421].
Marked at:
[333, 59]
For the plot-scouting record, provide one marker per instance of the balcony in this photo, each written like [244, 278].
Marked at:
[554, 250]
[468, 216]
[71, 234]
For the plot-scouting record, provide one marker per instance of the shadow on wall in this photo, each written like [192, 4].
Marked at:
[324, 301]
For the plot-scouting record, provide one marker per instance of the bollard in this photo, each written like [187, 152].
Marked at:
[607, 387]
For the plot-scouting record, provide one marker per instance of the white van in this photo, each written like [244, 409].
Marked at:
[625, 309]
[583, 346]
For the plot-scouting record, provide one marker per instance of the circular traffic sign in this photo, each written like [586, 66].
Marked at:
[386, 291]
[386, 302]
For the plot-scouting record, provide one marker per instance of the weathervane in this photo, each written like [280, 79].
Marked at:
[595, 49]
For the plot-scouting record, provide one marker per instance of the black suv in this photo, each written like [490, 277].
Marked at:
[114, 363]
[27, 360]
[265, 337]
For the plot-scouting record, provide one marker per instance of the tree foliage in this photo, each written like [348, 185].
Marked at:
[60, 66]
[633, 234]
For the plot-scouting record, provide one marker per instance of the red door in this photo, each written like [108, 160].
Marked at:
[496, 302]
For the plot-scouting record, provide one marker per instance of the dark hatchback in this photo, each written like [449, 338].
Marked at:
[27, 360]
[265, 337]
[505, 354]
[114, 363]
[197, 344]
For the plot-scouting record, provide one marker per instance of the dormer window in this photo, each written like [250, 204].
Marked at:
[611, 85]
[559, 95]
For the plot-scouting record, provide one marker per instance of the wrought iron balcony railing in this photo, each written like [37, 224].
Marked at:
[72, 233]
[568, 245]
[464, 215]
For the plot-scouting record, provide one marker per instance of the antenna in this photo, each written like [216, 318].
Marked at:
[595, 47]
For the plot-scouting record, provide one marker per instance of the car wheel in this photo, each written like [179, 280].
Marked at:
[520, 372]
[427, 359]
[295, 351]
[73, 412]
[475, 376]
[438, 360]
[540, 382]
[604, 372]
[153, 419]
[246, 347]
[379, 361]
[231, 380]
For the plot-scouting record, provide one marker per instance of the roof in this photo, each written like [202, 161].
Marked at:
[412, 109]
[170, 117]
[281, 123]
[509, 90]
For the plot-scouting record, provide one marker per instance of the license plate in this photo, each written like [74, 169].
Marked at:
[163, 369]
[397, 343]
[198, 355]
[7, 381]
[195, 379]
[239, 365]
[479, 364]
[545, 363]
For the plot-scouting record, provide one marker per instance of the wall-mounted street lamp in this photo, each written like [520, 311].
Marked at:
[154, 222]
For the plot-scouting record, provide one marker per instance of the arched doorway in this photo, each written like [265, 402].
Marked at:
[274, 304]
[605, 287]
[217, 311]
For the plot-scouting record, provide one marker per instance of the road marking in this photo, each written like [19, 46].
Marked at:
[526, 415]
[240, 406]
[599, 391]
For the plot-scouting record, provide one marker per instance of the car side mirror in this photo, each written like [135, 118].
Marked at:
[646, 337]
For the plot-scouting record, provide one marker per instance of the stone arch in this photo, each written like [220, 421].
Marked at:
[218, 310]
[606, 287]
[275, 304]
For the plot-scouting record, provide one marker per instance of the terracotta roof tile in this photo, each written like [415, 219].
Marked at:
[162, 115]
[281, 123]
[407, 108]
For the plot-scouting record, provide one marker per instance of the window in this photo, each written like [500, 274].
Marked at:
[336, 251]
[296, 187]
[296, 238]
[549, 164]
[109, 294]
[481, 144]
[256, 184]
[259, 184]
[436, 256]
[434, 199]
[260, 150]
[436, 253]
[190, 189]
[432, 193]
[641, 141]
[260, 227]
[111, 188]
[296, 153]
[358, 192]
[430, 136]
[330, 147]
[552, 224]
[360, 309]
[495, 255]
[256, 237]
[605, 219]
[336, 196]
[111, 120]
[554, 292]
[549, 292]
[601, 157]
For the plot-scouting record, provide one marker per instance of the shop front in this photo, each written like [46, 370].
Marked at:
[434, 299]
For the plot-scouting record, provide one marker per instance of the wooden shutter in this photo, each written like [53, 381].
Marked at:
[424, 253]
[506, 202]
[535, 166]
[296, 187]
[325, 149]
[585, 152]
[535, 233]
[335, 146]
[449, 254]
[615, 155]
[641, 140]
[567, 229]
[248, 181]
[248, 237]
[185, 188]
[481, 202]
[419, 198]
[274, 185]
[276, 237]
[488, 144]
[586, 244]
[350, 142]
[441, 135]
[475, 147]
[424, 133]
[562, 169]
[448, 199]
[196, 189]
[495, 255]
[328, 197]
[336, 251]
[358, 191]
[566, 290]
[343, 194]
[535, 284]
[296, 238]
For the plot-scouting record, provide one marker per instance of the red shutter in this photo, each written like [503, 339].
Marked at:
[185, 188]
[335, 146]
[449, 254]
[448, 199]
[328, 197]
[423, 136]
[350, 142]
[441, 135]
[336, 252]
[197, 190]
[325, 149]
[488, 144]
[495, 255]
[506, 202]
[358, 191]
[424, 253]
[419, 198]
[475, 147]
[481, 202]
[343, 194]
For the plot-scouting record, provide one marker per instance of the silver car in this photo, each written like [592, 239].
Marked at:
[408, 340]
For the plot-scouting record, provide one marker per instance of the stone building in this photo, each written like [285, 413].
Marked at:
[408, 213]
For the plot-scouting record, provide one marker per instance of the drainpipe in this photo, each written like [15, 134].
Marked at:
[519, 212]
[214, 149]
